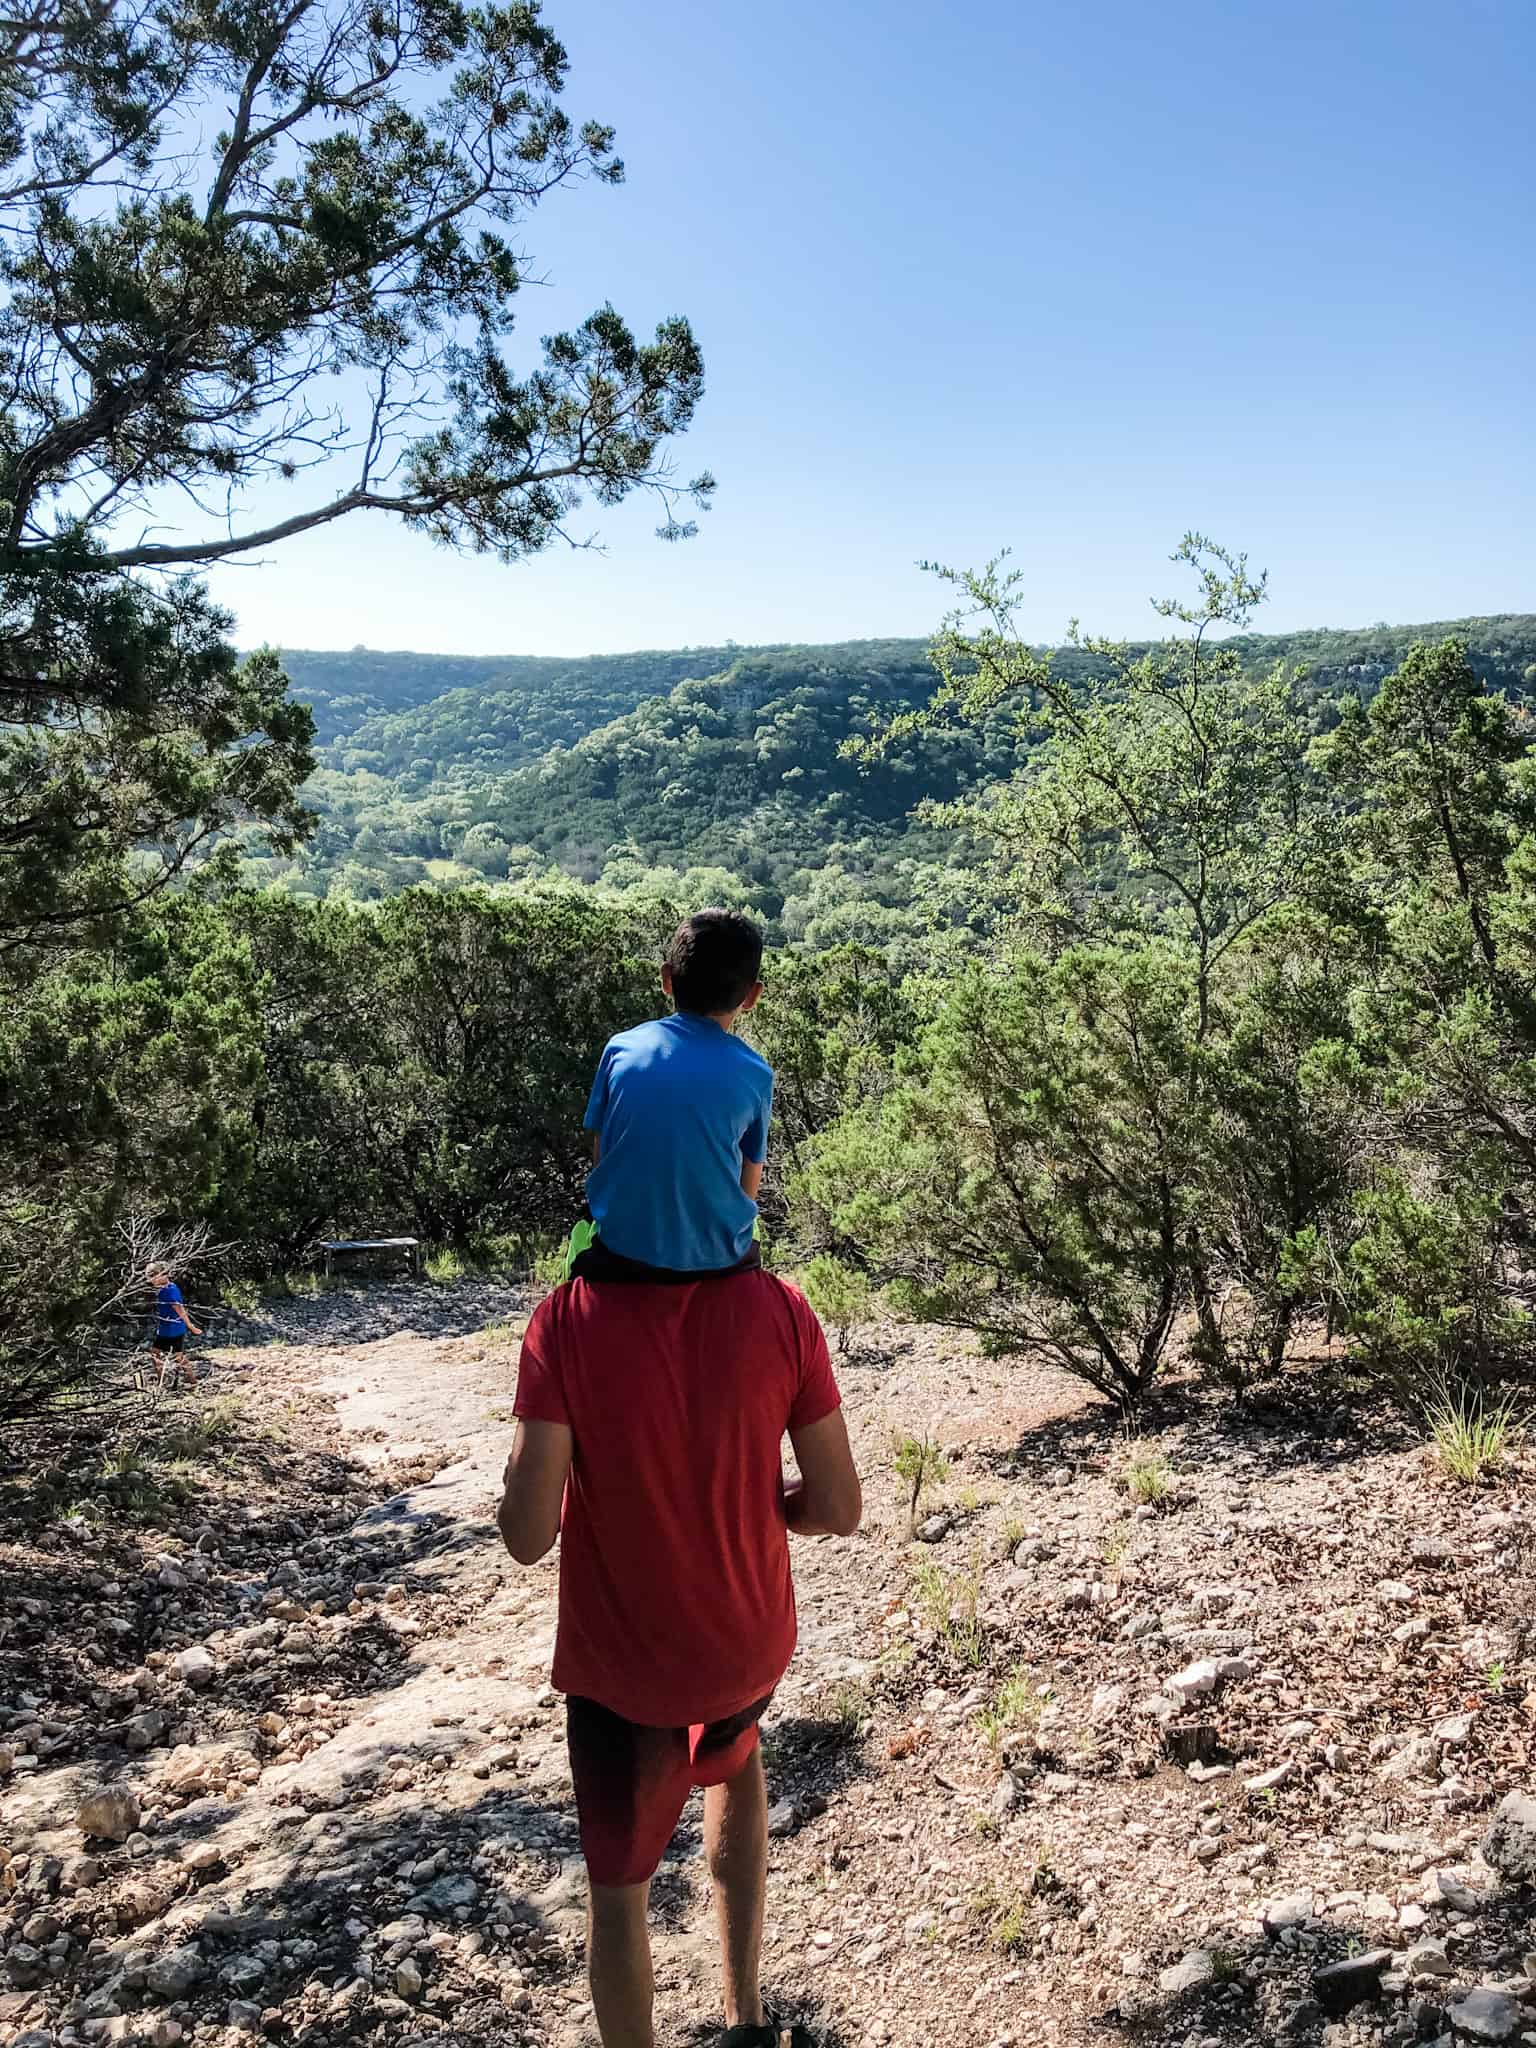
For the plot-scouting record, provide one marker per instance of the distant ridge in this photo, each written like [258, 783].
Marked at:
[456, 768]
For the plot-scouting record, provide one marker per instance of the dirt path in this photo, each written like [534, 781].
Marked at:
[998, 1819]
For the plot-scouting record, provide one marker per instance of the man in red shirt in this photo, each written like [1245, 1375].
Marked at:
[650, 1422]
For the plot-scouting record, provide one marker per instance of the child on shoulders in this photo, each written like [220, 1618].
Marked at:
[679, 1115]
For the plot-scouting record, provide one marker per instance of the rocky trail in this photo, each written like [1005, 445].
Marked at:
[1220, 1736]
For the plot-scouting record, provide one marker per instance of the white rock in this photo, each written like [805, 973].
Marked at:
[1270, 1781]
[1194, 1681]
[196, 1666]
[1197, 1968]
[1293, 1911]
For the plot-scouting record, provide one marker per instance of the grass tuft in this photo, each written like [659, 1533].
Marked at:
[1471, 1435]
[1149, 1478]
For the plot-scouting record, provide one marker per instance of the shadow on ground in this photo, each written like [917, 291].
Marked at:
[1306, 1418]
[1296, 1986]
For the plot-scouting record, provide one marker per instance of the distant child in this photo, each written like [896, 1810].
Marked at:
[679, 1118]
[172, 1327]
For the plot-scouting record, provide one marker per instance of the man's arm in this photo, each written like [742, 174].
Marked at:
[751, 1178]
[529, 1515]
[181, 1310]
[826, 1500]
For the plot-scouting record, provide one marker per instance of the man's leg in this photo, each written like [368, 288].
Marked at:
[619, 1964]
[736, 1842]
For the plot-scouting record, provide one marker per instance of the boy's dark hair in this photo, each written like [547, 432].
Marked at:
[715, 957]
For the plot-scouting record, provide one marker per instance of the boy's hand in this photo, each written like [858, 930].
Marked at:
[194, 1329]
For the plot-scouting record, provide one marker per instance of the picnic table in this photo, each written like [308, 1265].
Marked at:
[331, 1246]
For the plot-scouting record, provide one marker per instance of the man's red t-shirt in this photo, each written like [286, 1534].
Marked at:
[676, 1605]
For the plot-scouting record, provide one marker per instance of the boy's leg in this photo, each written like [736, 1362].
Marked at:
[619, 1964]
[736, 1842]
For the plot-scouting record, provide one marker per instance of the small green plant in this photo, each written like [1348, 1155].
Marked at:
[1495, 1677]
[1019, 1704]
[206, 1427]
[968, 1500]
[1226, 1966]
[1117, 1544]
[1010, 1930]
[987, 1825]
[241, 1297]
[1020, 1701]
[1014, 1531]
[502, 1336]
[991, 1727]
[964, 1634]
[1470, 1434]
[848, 1705]
[445, 1266]
[1149, 1478]
[919, 1464]
[1005, 1917]
[930, 1593]
[839, 1293]
[950, 1607]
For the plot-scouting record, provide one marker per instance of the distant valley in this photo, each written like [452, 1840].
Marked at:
[721, 759]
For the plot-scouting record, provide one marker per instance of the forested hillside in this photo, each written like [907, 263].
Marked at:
[530, 701]
[717, 758]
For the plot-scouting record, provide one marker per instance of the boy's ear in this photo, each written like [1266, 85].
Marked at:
[749, 1000]
[666, 978]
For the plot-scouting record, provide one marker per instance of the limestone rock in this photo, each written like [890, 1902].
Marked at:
[1197, 1968]
[1510, 1846]
[1486, 2015]
[1194, 1681]
[1294, 1911]
[197, 1667]
[109, 1814]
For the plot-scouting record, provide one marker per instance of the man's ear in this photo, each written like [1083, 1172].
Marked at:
[749, 1000]
[666, 978]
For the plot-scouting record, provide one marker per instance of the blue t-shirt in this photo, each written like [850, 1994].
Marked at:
[167, 1322]
[677, 1105]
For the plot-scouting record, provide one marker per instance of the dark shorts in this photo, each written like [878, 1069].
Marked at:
[176, 1343]
[632, 1783]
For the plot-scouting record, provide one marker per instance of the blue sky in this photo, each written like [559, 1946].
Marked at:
[1065, 278]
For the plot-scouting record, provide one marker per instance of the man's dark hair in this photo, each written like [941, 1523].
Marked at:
[715, 957]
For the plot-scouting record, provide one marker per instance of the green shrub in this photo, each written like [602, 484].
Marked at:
[839, 1293]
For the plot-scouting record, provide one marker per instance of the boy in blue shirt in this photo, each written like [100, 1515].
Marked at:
[172, 1326]
[679, 1119]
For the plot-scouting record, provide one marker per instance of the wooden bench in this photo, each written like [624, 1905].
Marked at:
[332, 1246]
